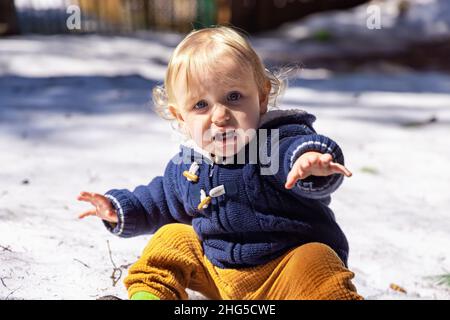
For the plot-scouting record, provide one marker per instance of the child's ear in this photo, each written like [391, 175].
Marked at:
[174, 111]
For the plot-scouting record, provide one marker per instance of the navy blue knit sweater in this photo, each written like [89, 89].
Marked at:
[254, 219]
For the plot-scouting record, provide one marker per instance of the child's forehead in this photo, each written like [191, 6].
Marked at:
[225, 74]
[222, 70]
[218, 76]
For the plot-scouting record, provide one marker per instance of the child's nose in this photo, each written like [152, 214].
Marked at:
[220, 115]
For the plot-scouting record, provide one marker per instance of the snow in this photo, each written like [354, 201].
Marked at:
[376, 28]
[423, 19]
[71, 105]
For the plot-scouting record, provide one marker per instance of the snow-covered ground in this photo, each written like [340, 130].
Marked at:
[379, 28]
[404, 20]
[75, 115]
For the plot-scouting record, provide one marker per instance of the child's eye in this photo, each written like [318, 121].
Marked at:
[234, 96]
[200, 105]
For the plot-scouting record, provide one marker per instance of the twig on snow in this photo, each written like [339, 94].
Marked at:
[126, 266]
[12, 292]
[7, 248]
[117, 272]
[3, 283]
[84, 264]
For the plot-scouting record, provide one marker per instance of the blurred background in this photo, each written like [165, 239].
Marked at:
[76, 114]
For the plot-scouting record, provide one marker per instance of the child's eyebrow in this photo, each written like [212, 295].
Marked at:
[190, 100]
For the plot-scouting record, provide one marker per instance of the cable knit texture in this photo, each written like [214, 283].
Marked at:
[256, 220]
[174, 260]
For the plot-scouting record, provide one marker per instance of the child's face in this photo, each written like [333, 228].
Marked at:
[216, 113]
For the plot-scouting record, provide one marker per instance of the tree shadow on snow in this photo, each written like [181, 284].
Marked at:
[25, 100]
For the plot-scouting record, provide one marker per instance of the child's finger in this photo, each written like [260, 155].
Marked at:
[85, 194]
[83, 198]
[87, 213]
[88, 199]
[97, 196]
[94, 198]
[291, 179]
[339, 168]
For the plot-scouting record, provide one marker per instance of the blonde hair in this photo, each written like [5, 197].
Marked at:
[201, 51]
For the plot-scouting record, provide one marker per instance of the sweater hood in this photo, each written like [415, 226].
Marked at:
[277, 118]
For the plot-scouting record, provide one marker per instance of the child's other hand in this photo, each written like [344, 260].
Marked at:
[103, 207]
[314, 164]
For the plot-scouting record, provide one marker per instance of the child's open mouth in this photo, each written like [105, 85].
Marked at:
[225, 137]
[227, 140]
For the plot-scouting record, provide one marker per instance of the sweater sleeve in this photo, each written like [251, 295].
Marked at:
[292, 147]
[148, 207]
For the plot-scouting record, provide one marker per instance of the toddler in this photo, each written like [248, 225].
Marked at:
[241, 211]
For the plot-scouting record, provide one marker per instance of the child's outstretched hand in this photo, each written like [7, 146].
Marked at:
[103, 207]
[314, 164]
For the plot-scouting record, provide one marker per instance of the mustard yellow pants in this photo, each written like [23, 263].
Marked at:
[173, 261]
